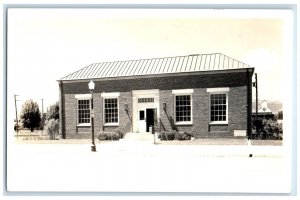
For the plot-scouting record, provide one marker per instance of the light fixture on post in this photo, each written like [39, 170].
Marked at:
[165, 106]
[126, 107]
[91, 88]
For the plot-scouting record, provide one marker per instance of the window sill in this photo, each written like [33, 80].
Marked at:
[83, 125]
[111, 124]
[183, 123]
[218, 123]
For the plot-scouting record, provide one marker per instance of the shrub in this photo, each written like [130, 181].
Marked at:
[188, 135]
[184, 135]
[171, 135]
[267, 129]
[180, 136]
[272, 129]
[162, 135]
[104, 135]
[120, 132]
[51, 127]
[167, 135]
[115, 136]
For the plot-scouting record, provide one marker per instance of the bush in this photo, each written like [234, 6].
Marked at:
[171, 135]
[115, 136]
[272, 129]
[104, 135]
[188, 135]
[267, 129]
[180, 136]
[162, 135]
[167, 135]
[52, 128]
[120, 132]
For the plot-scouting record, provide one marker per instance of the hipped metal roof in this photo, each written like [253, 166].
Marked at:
[154, 66]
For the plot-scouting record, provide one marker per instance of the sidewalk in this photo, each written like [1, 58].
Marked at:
[203, 147]
[141, 166]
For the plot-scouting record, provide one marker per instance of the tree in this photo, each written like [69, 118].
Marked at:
[52, 127]
[280, 115]
[53, 112]
[52, 121]
[43, 120]
[30, 115]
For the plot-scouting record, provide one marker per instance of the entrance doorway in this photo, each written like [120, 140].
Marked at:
[145, 110]
[149, 119]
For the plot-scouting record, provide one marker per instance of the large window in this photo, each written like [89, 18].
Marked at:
[84, 111]
[111, 111]
[183, 108]
[218, 108]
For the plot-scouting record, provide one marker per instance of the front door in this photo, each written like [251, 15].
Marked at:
[142, 121]
[149, 119]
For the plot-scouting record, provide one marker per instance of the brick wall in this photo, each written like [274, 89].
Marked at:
[233, 79]
[237, 101]
[74, 131]
[237, 113]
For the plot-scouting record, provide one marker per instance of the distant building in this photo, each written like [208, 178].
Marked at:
[210, 94]
[263, 112]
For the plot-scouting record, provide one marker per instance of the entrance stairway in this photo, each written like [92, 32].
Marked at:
[139, 136]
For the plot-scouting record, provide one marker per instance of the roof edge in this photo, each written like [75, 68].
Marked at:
[158, 75]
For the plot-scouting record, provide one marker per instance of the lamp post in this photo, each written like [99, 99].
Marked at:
[92, 87]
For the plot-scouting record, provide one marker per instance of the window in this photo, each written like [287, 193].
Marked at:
[142, 115]
[145, 100]
[218, 108]
[84, 112]
[183, 108]
[111, 111]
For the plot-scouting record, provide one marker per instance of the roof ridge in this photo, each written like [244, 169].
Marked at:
[196, 54]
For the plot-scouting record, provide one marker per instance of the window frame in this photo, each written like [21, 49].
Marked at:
[218, 122]
[78, 98]
[183, 92]
[110, 96]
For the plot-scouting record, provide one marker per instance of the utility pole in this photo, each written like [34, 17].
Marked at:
[17, 128]
[42, 106]
[255, 84]
[256, 87]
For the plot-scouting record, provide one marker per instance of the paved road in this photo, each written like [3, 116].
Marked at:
[144, 167]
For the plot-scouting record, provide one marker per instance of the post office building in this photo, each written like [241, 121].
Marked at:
[210, 94]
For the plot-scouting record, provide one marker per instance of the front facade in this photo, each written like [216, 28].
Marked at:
[210, 94]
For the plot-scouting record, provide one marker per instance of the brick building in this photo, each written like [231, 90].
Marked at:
[210, 94]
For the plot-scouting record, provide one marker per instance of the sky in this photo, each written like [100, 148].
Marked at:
[45, 45]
